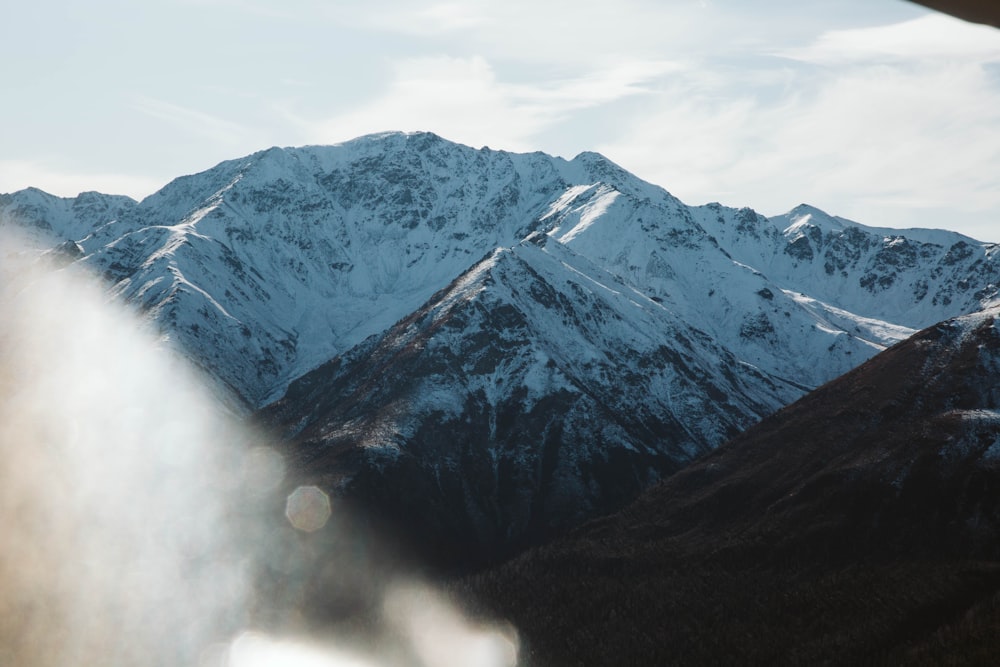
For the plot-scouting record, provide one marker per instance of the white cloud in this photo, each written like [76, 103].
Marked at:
[459, 98]
[934, 36]
[775, 102]
[888, 142]
[464, 100]
[193, 121]
[554, 32]
[429, 19]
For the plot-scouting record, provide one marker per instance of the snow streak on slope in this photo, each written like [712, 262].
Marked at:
[657, 245]
[876, 333]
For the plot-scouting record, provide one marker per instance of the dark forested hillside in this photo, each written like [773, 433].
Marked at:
[859, 525]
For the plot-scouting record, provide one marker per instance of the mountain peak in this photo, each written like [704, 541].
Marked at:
[419, 141]
[805, 215]
[599, 169]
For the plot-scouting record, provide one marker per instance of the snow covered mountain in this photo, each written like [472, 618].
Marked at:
[675, 325]
[759, 287]
[46, 221]
[912, 277]
[535, 391]
[264, 267]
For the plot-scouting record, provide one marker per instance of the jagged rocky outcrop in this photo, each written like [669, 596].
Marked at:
[46, 220]
[912, 277]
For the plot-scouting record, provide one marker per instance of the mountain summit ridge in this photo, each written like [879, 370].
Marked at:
[264, 267]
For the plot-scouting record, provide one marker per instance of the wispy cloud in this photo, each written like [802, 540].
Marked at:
[194, 121]
[435, 18]
[934, 36]
[465, 100]
[546, 33]
[864, 123]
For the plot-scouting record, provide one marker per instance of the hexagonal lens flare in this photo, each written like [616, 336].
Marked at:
[308, 508]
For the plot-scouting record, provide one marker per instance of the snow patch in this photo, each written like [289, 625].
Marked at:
[592, 212]
[468, 286]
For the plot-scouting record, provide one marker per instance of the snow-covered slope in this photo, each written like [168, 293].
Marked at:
[536, 391]
[46, 220]
[757, 286]
[266, 266]
[911, 277]
[657, 245]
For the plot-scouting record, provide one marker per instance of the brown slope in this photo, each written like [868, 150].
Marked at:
[861, 524]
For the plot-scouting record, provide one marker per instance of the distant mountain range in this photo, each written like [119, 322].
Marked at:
[491, 347]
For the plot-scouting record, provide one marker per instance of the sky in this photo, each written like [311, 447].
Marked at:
[880, 111]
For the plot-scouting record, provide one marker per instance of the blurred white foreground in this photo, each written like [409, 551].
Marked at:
[136, 514]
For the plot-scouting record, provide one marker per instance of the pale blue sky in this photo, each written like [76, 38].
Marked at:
[876, 110]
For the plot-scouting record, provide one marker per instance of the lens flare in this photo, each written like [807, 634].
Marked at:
[253, 649]
[308, 508]
[142, 521]
[124, 519]
[442, 637]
